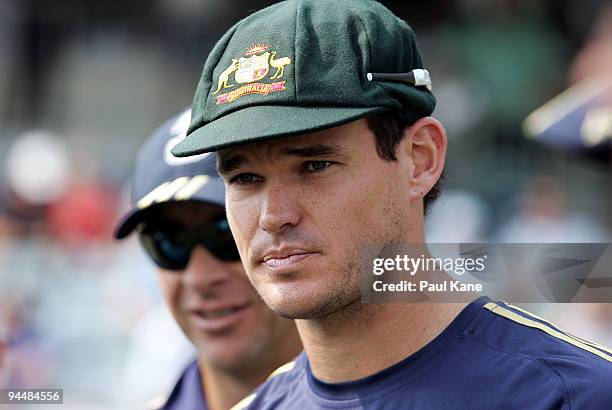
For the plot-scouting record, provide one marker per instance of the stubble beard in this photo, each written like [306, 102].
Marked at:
[343, 293]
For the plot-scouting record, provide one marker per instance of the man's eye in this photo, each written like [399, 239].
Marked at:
[246, 179]
[317, 166]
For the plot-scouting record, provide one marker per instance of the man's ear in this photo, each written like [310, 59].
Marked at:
[425, 143]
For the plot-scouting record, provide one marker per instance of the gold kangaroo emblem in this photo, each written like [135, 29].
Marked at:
[224, 76]
[279, 65]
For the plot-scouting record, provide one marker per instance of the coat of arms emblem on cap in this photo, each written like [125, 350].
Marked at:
[256, 64]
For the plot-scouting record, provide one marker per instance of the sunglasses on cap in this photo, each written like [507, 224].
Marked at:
[170, 246]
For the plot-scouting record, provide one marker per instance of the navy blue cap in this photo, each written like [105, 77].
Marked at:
[160, 177]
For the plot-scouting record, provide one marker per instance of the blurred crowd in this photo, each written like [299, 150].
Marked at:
[84, 83]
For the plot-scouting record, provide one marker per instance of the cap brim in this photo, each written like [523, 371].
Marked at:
[127, 224]
[264, 122]
[212, 192]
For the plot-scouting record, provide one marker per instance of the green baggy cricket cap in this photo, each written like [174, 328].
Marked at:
[302, 66]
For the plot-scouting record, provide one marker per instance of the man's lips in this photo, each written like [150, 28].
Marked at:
[218, 318]
[284, 258]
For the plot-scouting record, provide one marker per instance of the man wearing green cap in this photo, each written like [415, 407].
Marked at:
[320, 113]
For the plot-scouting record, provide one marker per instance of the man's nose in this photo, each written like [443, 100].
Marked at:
[205, 271]
[279, 210]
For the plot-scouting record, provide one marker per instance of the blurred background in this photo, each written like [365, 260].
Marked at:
[83, 83]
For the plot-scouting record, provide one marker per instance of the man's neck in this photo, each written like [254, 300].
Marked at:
[224, 389]
[361, 340]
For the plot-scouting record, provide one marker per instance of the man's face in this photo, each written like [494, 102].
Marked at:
[303, 208]
[213, 301]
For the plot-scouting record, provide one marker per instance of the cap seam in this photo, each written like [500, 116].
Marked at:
[369, 40]
[295, 54]
[369, 68]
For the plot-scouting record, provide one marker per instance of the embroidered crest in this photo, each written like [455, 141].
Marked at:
[256, 64]
[252, 68]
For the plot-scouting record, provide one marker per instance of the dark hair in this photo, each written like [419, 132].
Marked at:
[388, 128]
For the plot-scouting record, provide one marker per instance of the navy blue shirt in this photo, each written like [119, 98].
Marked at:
[187, 393]
[492, 356]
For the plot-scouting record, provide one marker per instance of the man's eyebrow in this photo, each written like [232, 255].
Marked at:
[229, 162]
[312, 151]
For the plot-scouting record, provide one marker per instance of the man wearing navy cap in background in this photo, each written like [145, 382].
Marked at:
[320, 113]
[179, 216]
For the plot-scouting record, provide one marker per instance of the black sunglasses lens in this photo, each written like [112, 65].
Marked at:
[220, 242]
[164, 251]
[225, 251]
[172, 250]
